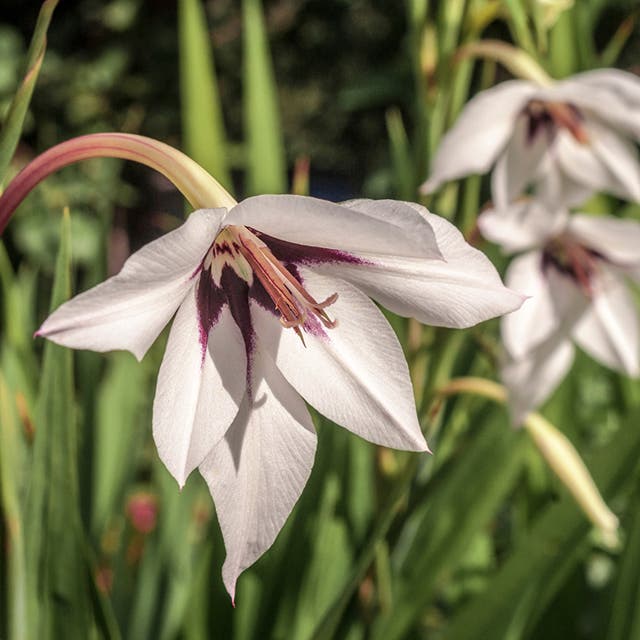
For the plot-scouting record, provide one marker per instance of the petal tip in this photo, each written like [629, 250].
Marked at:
[427, 187]
[230, 586]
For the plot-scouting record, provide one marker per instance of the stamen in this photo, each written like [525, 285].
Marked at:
[562, 115]
[565, 115]
[290, 298]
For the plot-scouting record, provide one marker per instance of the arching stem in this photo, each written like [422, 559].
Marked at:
[199, 188]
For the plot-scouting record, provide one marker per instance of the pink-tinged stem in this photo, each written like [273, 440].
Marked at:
[198, 187]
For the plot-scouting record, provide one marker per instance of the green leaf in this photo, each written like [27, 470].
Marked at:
[266, 161]
[202, 123]
[401, 160]
[538, 566]
[563, 49]
[60, 604]
[12, 126]
[12, 458]
[467, 494]
[328, 562]
[117, 436]
[520, 26]
[624, 623]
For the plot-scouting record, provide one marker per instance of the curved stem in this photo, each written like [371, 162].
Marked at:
[198, 187]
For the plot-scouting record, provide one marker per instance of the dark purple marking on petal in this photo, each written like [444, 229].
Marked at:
[236, 291]
[210, 300]
[224, 247]
[540, 124]
[292, 253]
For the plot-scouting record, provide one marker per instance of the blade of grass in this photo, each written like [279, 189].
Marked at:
[202, 124]
[12, 125]
[117, 436]
[453, 516]
[625, 613]
[532, 574]
[11, 465]
[518, 22]
[613, 49]
[401, 160]
[60, 605]
[266, 163]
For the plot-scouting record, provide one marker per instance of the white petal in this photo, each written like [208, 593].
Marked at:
[607, 162]
[129, 310]
[555, 189]
[461, 291]
[611, 94]
[554, 306]
[581, 164]
[518, 166]
[608, 331]
[480, 133]
[620, 156]
[531, 380]
[199, 389]
[615, 239]
[354, 374]
[409, 216]
[388, 227]
[525, 328]
[257, 472]
[522, 225]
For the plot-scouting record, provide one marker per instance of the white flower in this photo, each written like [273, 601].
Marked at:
[273, 310]
[576, 136]
[576, 279]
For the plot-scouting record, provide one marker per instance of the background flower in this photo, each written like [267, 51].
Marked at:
[578, 135]
[576, 277]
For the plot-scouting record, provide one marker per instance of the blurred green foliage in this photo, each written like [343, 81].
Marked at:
[477, 541]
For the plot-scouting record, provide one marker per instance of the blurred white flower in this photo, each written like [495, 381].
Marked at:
[273, 308]
[576, 136]
[575, 273]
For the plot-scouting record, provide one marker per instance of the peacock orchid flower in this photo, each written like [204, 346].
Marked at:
[575, 137]
[575, 270]
[271, 299]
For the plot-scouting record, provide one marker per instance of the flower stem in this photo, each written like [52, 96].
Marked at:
[198, 187]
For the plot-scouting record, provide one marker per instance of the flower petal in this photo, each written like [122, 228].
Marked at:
[607, 163]
[406, 215]
[388, 227]
[620, 156]
[555, 189]
[480, 133]
[199, 388]
[531, 380]
[580, 163]
[554, 305]
[611, 94]
[129, 310]
[522, 225]
[257, 472]
[615, 239]
[608, 331]
[519, 164]
[461, 291]
[355, 373]
[525, 328]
